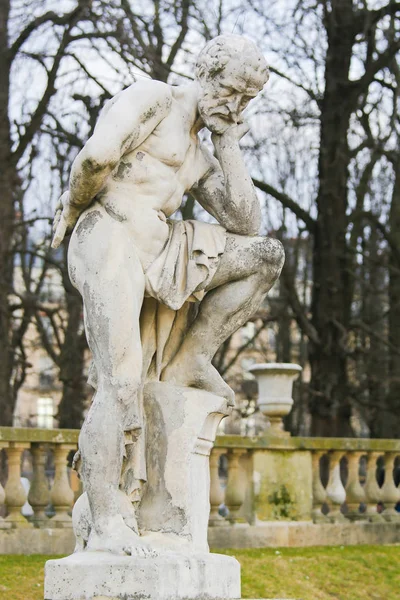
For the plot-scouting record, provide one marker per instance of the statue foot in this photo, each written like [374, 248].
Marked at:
[82, 518]
[198, 373]
[118, 538]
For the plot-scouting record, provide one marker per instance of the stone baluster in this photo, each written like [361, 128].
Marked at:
[235, 490]
[3, 523]
[319, 492]
[62, 496]
[373, 492]
[355, 494]
[389, 491]
[336, 494]
[15, 493]
[217, 495]
[39, 494]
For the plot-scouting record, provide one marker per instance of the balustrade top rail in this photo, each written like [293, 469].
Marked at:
[70, 436]
[307, 443]
[33, 434]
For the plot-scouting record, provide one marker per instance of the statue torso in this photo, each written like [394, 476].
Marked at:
[149, 181]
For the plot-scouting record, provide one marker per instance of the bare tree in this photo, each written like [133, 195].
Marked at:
[339, 54]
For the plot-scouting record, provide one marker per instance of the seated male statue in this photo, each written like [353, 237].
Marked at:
[126, 182]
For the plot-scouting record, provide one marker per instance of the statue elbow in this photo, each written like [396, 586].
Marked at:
[95, 159]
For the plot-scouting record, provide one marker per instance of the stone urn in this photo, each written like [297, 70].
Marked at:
[275, 383]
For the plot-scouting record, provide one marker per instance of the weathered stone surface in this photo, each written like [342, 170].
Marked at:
[176, 496]
[284, 485]
[90, 576]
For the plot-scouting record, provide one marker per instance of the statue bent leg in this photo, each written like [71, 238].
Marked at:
[246, 272]
[107, 272]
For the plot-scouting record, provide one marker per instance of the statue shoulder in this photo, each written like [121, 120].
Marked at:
[147, 95]
[151, 93]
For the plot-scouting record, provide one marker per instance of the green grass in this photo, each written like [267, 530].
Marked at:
[340, 573]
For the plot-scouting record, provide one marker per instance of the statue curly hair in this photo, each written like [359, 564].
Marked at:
[214, 57]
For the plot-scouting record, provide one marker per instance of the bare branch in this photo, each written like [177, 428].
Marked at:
[182, 34]
[361, 85]
[287, 203]
[41, 108]
[49, 17]
[309, 92]
[366, 19]
[297, 307]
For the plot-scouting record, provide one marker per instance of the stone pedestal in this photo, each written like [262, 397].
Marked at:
[181, 424]
[102, 576]
[181, 428]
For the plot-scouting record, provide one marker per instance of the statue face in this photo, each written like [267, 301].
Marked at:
[224, 96]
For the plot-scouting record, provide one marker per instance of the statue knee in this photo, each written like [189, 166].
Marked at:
[126, 387]
[116, 394]
[273, 258]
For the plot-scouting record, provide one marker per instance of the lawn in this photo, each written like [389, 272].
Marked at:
[352, 573]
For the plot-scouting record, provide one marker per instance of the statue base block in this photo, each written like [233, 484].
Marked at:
[103, 576]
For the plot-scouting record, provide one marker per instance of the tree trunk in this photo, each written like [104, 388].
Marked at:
[330, 403]
[376, 359]
[8, 180]
[392, 413]
[73, 401]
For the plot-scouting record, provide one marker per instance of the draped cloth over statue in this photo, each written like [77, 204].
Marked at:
[176, 279]
[187, 263]
[174, 284]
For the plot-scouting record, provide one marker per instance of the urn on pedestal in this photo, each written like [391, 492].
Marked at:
[275, 382]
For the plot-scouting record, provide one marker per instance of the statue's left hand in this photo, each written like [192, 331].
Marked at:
[64, 220]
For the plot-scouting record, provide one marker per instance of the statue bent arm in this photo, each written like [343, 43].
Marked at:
[125, 122]
[226, 190]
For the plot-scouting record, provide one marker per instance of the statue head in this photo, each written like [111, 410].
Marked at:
[230, 71]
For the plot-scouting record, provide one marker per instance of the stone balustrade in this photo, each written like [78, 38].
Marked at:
[42, 456]
[324, 480]
[254, 482]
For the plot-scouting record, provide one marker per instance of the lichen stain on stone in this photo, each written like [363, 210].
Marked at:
[123, 169]
[282, 503]
[149, 114]
[88, 222]
[89, 166]
[101, 324]
[140, 156]
[157, 512]
[129, 141]
[215, 70]
[114, 215]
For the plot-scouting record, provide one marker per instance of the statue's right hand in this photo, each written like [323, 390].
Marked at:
[64, 220]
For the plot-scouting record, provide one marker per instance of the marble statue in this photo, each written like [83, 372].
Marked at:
[161, 295]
